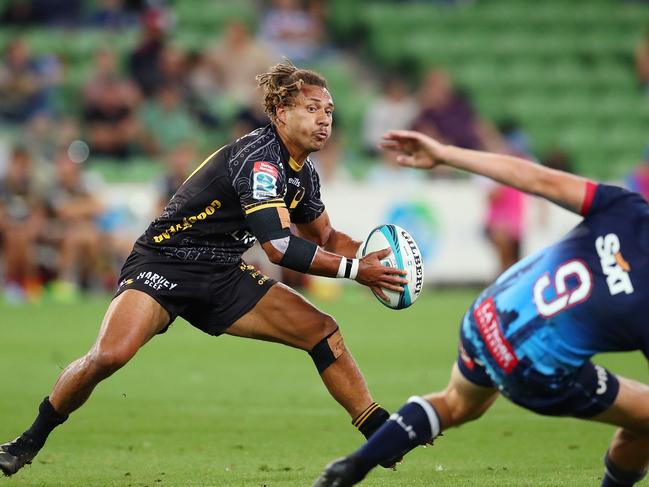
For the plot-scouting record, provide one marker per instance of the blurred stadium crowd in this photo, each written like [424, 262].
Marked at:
[97, 92]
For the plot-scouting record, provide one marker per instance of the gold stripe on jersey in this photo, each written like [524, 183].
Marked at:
[274, 203]
[358, 422]
[296, 166]
[202, 164]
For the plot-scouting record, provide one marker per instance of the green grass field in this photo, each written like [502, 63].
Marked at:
[192, 410]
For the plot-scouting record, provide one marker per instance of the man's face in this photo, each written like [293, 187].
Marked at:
[308, 122]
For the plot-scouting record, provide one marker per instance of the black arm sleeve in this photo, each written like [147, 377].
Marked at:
[266, 225]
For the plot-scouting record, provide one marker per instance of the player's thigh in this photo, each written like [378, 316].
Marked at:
[630, 409]
[131, 320]
[284, 316]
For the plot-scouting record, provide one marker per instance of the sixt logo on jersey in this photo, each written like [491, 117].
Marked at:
[615, 268]
[264, 180]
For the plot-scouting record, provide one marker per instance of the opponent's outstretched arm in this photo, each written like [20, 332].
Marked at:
[418, 150]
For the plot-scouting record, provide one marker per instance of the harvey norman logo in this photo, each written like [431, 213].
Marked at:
[615, 268]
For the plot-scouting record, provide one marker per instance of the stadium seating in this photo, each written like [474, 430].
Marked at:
[565, 73]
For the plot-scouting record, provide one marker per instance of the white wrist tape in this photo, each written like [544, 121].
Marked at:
[348, 268]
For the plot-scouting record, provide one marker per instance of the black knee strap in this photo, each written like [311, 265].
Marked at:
[622, 476]
[327, 350]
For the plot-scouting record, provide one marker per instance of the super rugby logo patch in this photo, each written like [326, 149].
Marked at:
[264, 180]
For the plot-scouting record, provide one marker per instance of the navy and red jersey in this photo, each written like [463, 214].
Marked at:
[586, 294]
[205, 220]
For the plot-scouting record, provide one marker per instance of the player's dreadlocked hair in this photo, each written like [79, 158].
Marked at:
[282, 84]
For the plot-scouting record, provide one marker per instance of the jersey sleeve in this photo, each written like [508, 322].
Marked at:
[260, 184]
[603, 197]
[311, 206]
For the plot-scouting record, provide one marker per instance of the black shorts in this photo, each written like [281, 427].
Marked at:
[209, 296]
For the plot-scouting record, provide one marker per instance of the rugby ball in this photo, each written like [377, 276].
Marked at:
[405, 255]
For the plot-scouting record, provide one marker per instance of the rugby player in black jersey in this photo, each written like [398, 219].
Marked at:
[188, 262]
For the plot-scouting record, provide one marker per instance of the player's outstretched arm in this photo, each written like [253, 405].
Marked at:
[418, 150]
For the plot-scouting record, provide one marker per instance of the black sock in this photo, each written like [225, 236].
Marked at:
[416, 423]
[614, 476]
[371, 419]
[45, 422]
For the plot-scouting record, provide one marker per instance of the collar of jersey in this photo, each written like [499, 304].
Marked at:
[295, 165]
[291, 162]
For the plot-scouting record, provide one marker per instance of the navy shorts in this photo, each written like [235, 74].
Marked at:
[209, 296]
[584, 393]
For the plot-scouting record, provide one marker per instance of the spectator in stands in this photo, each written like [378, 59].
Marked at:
[386, 170]
[292, 31]
[144, 61]
[26, 83]
[166, 120]
[250, 117]
[173, 66]
[449, 115]
[112, 15]
[180, 162]
[50, 12]
[74, 208]
[204, 89]
[330, 161]
[17, 13]
[395, 108]
[505, 217]
[252, 57]
[638, 179]
[642, 62]
[22, 219]
[110, 105]
[559, 159]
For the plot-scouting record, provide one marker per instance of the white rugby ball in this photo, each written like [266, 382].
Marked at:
[405, 256]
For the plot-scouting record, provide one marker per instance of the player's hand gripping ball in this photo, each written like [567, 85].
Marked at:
[405, 256]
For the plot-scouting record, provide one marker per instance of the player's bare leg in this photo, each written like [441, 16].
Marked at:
[418, 422]
[131, 320]
[461, 401]
[627, 458]
[284, 316]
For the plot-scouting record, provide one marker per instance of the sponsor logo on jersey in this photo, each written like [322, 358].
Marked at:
[125, 282]
[243, 236]
[294, 181]
[297, 198]
[615, 268]
[466, 359]
[254, 273]
[264, 180]
[153, 280]
[602, 379]
[188, 222]
[489, 327]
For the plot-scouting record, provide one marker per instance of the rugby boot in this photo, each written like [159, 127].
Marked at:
[16, 454]
[343, 472]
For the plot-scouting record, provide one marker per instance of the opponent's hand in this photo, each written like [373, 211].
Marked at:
[414, 149]
[377, 277]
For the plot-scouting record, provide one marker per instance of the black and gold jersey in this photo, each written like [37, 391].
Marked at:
[205, 220]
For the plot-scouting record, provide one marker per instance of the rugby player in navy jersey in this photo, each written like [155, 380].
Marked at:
[188, 262]
[530, 336]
